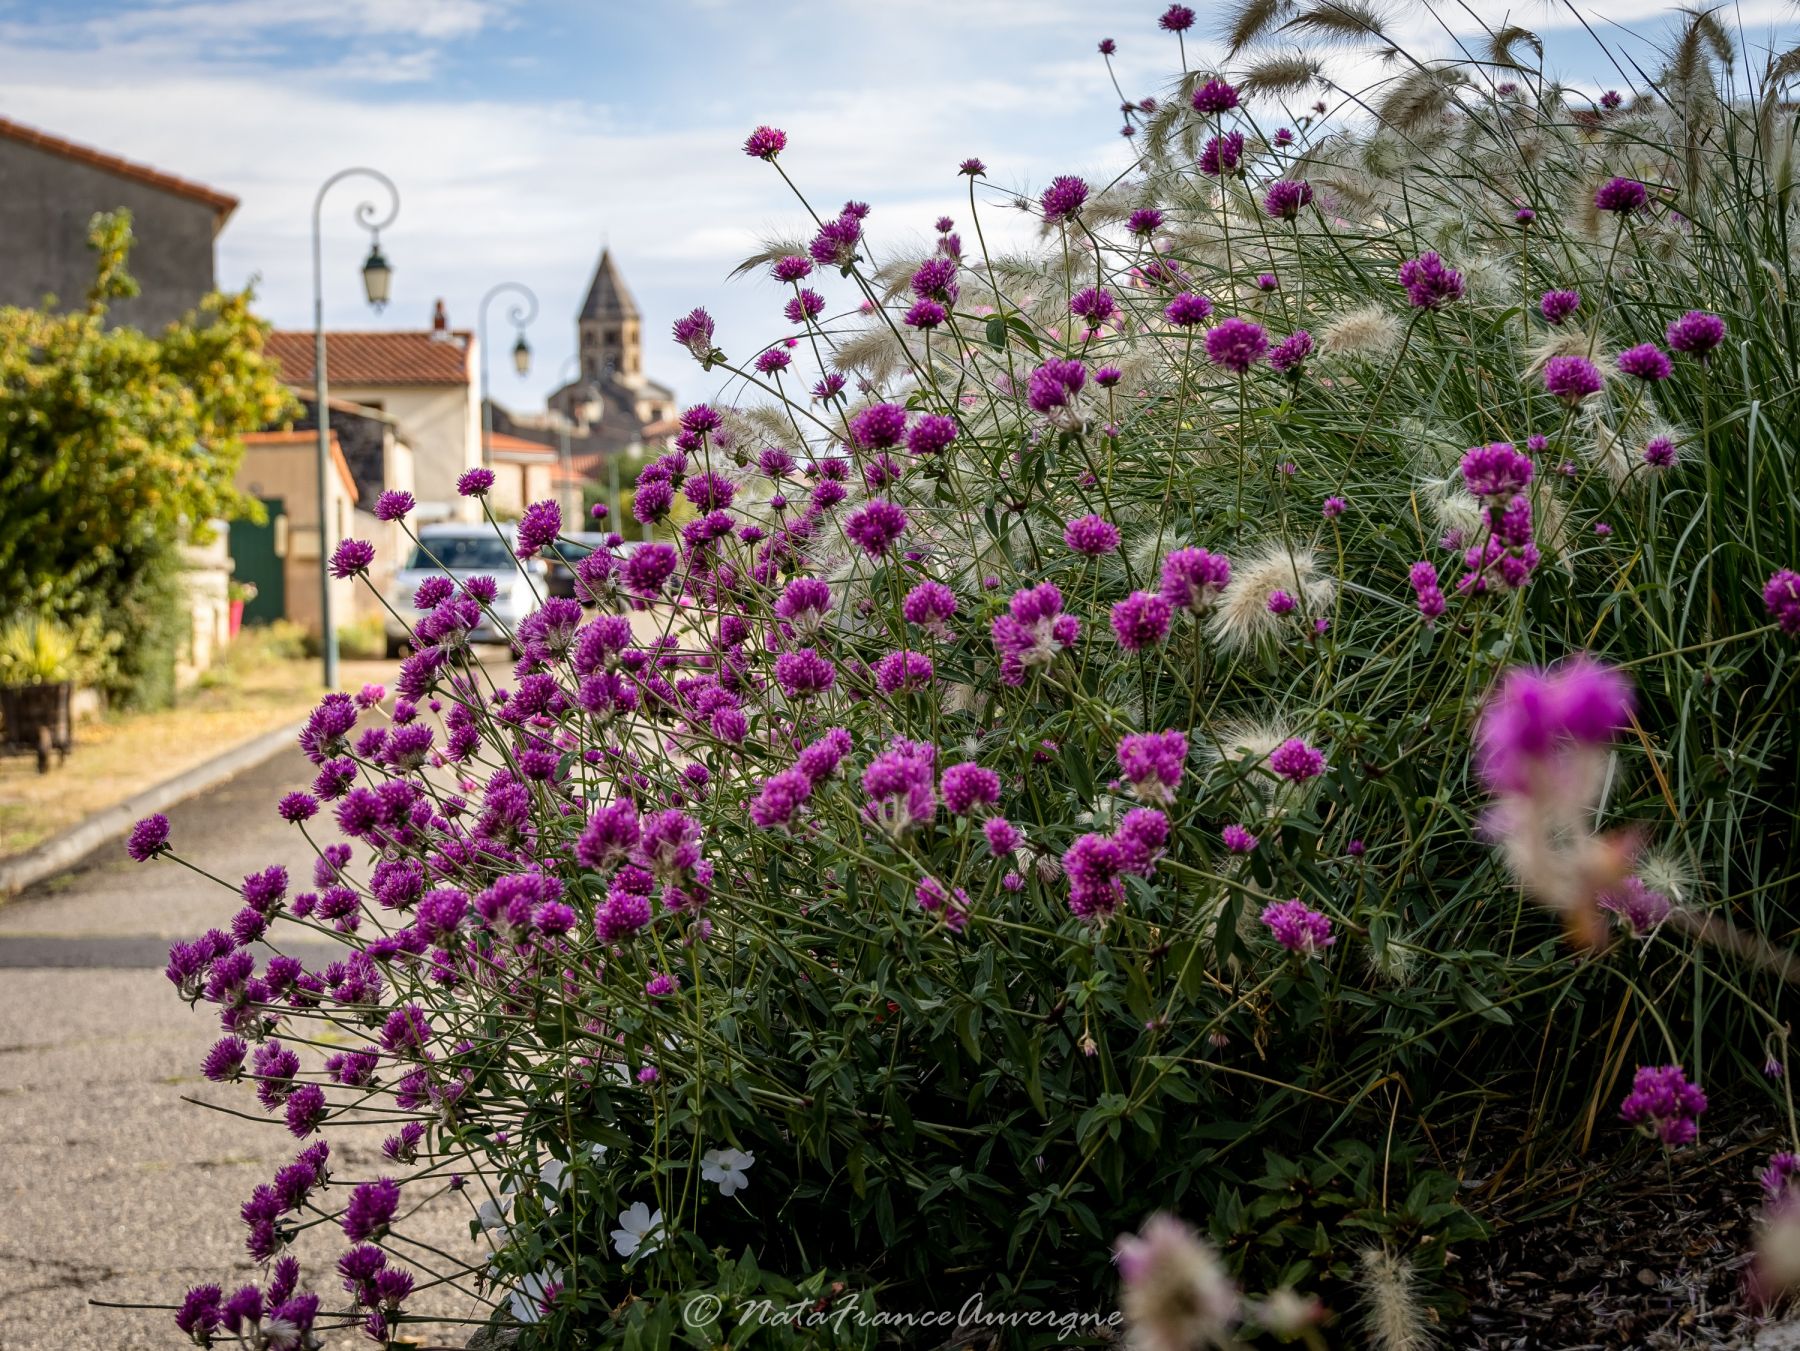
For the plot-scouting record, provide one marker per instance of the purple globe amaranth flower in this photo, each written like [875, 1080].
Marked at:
[1333, 508]
[351, 558]
[930, 606]
[1296, 761]
[1095, 304]
[1660, 453]
[1781, 598]
[1535, 715]
[1152, 763]
[1144, 221]
[1426, 590]
[1054, 385]
[765, 143]
[1696, 333]
[1572, 378]
[1094, 865]
[875, 526]
[1141, 620]
[394, 505]
[1222, 154]
[803, 674]
[1032, 631]
[1238, 840]
[1646, 361]
[1108, 46]
[538, 527]
[1290, 354]
[1236, 344]
[1621, 196]
[1193, 579]
[1429, 284]
[900, 785]
[972, 166]
[780, 799]
[1188, 309]
[648, 570]
[773, 361]
[935, 279]
[1286, 197]
[931, 434]
[925, 314]
[903, 672]
[879, 427]
[1524, 216]
[372, 1208]
[1495, 472]
[968, 787]
[694, 331]
[1063, 199]
[148, 838]
[297, 807]
[475, 482]
[1214, 97]
[1556, 306]
[1298, 927]
[791, 269]
[1640, 906]
[1176, 19]
[1002, 836]
[1091, 536]
[1662, 1103]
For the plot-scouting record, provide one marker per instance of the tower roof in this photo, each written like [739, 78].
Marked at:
[607, 297]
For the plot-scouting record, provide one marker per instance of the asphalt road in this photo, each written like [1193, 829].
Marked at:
[115, 1189]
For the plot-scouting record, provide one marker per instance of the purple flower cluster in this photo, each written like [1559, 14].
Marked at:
[1535, 715]
[1663, 1104]
[1430, 285]
[1298, 927]
[1152, 763]
[1091, 536]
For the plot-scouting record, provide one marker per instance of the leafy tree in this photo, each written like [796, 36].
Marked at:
[116, 447]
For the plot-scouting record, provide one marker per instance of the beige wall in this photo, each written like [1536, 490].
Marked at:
[442, 425]
[288, 470]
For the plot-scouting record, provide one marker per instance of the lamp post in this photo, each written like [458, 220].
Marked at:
[519, 316]
[377, 275]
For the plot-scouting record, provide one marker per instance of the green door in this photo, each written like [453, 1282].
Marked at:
[257, 560]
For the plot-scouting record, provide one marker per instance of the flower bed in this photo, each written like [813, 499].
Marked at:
[1189, 718]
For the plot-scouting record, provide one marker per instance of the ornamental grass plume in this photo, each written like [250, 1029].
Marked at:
[954, 768]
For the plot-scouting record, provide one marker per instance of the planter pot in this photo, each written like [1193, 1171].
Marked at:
[37, 719]
[237, 617]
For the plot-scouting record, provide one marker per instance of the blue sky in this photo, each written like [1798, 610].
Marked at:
[525, 133]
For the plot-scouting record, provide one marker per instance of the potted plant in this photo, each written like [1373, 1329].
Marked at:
[236, 594]
[37, 676]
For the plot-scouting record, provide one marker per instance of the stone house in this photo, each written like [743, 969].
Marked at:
[50, 188]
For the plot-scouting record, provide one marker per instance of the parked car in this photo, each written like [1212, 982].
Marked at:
[462, 552]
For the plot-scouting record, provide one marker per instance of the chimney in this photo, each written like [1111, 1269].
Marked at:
[440, 322]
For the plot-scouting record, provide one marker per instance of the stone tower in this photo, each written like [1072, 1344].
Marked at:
[611, 344]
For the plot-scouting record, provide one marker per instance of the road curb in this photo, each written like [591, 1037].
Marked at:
[61, 851]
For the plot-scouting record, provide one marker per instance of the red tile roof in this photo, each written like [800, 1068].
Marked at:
[221, 203]
[374, 358]
[518, 447]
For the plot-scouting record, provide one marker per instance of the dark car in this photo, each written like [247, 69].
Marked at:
[564, 555]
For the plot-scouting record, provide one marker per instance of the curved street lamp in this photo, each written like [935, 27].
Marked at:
[377, 276]
[520, 315]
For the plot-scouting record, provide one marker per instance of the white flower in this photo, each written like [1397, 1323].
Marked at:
[637, 1222]
[553, 1173]
[491, 1216]
[531, 1301]
[727, 1167]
